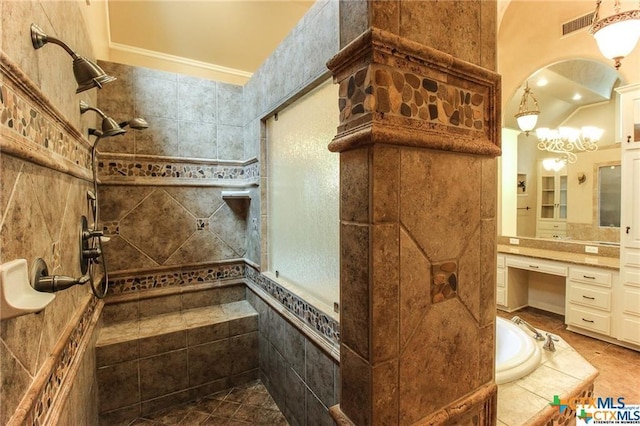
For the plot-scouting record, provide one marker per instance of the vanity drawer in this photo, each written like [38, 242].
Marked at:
[591, 296]
[585, 318]
[500, 278]
[552, 226]
[538, 266]
[591, 276]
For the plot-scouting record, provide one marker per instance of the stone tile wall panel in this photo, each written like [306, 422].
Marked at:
[300, 376]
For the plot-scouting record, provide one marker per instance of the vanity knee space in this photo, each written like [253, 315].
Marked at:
[592, 298]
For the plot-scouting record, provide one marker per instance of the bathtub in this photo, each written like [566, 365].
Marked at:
[517, 354]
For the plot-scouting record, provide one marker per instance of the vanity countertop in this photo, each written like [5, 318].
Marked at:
[562, 256]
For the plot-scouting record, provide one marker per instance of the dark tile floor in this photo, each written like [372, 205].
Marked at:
[249, 404]
[619, 367]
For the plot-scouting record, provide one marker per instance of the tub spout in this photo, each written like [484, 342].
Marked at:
[536, 334]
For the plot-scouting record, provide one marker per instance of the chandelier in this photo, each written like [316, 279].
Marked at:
[527, 117]
[616, 35]
[568, 140]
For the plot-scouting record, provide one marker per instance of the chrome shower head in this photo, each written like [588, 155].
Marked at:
[135, 123]
[87, 73]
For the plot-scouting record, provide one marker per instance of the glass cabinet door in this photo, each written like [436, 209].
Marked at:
[562, 201]
[548, 197]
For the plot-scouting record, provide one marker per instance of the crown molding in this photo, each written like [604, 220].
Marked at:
[177, 59]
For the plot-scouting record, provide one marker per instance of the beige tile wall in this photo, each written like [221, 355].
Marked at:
[172, 224]
[41, 206]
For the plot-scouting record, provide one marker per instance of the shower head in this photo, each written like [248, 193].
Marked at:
[135, 123]
[110, 127]
[87, 73]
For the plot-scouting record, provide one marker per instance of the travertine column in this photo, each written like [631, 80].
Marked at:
[419, 130]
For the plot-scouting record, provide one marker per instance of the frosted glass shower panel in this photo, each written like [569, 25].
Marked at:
[303, 195]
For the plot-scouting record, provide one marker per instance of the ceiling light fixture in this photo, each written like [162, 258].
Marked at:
[542, 82]
[527, 117]
[616, 35]
[577, 97]
[567, 140]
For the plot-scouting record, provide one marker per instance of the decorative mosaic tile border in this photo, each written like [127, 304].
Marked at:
[165, 279]
[397, 91]
[26, 120]
[114, 168]
[383, 89]
[316, 319]
[41, 406]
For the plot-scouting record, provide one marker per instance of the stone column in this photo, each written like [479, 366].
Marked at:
[419, 130]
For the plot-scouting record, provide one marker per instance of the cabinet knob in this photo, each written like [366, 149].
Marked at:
[628, 229]
[629, 139]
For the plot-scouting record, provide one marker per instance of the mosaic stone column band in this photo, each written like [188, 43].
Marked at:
[418, 134]
[394, 90]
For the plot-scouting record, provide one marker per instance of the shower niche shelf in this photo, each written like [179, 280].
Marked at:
[236, 195]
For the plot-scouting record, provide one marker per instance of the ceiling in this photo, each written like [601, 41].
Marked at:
[592, 80]
[234, 34]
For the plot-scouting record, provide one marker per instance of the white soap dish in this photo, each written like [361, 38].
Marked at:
[17, 297]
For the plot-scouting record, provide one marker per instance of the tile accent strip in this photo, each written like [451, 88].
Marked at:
[326, 326]
[315, 318]
[45, 392]
[384, 90]
[174, 278]
[113, 168]
[34, 129]
[396, 91]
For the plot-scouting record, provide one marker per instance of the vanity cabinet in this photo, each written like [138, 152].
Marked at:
[589, 299]
[552, 204]
[629, 321]
[596, 301]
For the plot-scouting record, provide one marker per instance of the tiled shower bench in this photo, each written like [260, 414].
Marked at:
[150, 363]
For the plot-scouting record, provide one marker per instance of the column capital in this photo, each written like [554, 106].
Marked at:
[397, 91]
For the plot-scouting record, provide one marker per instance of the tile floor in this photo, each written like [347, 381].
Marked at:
[619, 367]
[249, 404]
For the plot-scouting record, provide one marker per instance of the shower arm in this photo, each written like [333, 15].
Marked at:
[84, 107]
[39, 39]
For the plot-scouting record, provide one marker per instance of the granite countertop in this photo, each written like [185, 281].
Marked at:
[562, 256]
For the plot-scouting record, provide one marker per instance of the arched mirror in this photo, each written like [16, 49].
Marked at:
[550, 193]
